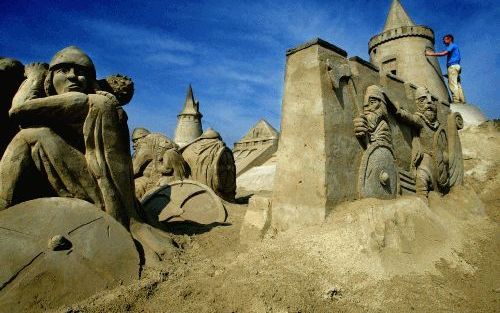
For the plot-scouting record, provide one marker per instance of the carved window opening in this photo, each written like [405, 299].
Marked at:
[390, 66]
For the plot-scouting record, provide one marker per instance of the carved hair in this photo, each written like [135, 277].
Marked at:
[449, 36]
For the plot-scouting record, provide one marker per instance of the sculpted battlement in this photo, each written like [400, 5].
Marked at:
[403, 31]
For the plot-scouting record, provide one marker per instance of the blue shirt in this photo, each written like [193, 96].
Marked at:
[453, 56]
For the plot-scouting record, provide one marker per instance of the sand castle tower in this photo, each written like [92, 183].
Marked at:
[188, 121]
[400, 48]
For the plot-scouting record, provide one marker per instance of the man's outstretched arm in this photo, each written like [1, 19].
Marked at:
[436, 54]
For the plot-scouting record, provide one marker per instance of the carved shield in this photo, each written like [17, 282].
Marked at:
[184, 200]
[59, 251]
[378, 174]
[440, 157]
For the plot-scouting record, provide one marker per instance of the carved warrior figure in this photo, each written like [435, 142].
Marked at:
[73, 143]
[11, 76]
[212, 163]
[438, 163]
[372, 123]
[378, 173]
[156, 161]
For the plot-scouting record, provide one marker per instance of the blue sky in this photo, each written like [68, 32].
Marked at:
[233, 52]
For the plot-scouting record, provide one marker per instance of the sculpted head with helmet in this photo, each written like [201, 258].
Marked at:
[70, 70]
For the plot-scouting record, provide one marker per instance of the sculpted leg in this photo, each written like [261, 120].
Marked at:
[422, 184]
[17, 157]
[42, 150]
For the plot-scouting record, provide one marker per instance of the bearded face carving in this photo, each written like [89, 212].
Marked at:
[371, 125]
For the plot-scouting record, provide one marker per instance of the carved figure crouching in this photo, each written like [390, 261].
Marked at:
[156, 161]
[73, 143]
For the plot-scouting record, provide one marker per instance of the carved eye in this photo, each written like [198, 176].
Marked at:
[79, 72]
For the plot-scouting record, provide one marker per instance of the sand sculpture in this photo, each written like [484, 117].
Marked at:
[74, 147]
[11, 77]
[350, 129]
[156, 161]
[399, 50]
[189, 125]
[211, 163]
[202, 157]
[256, 147]
[184, 180]
[382, 129]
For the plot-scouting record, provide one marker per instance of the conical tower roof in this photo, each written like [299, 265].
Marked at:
[397, 17]
[191, 107]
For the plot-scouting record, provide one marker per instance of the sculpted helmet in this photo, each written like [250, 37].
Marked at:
[73, 55]
[374, 91]
[139, 133]
[421, 92]
[70, 55]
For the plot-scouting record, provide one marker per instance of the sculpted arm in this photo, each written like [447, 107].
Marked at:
[31, 106]
[407, 117]
[68, 107]
[141, 159]
[32, 86]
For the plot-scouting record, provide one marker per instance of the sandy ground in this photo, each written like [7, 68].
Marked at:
[369, 256]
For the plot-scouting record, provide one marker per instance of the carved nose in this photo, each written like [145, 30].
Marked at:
[71, 73]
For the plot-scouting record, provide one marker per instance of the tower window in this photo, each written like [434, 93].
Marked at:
[390, 66]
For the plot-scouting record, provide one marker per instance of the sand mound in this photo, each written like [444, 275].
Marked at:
[394, 237]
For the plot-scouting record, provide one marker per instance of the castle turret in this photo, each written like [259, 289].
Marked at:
[188, 121]
[400, 50]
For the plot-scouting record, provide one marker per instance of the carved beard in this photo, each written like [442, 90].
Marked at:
[373, 118]
[430, 115]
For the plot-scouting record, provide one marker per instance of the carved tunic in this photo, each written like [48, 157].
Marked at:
[426, 130]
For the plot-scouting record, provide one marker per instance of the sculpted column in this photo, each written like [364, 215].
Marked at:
[317, 150]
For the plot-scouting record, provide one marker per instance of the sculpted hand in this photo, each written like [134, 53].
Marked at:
[360, 126]
[110, 98]
[36, 69]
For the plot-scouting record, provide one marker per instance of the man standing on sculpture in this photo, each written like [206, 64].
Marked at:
[452, 54]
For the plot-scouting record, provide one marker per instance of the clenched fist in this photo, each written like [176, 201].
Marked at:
[360, 126]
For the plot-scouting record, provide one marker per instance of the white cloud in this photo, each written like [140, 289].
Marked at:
[165, 58]
[140, 37]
